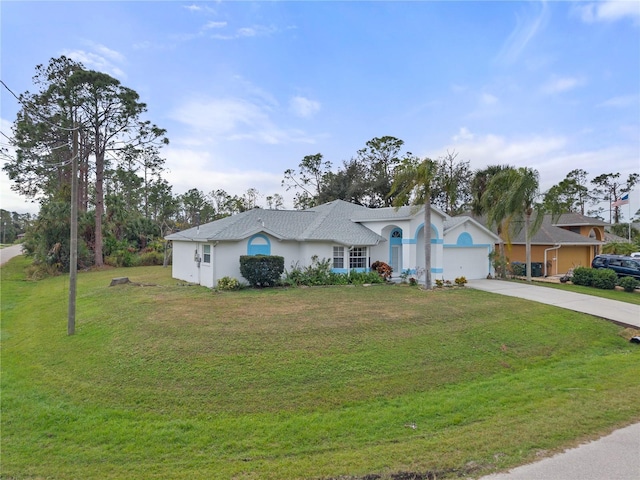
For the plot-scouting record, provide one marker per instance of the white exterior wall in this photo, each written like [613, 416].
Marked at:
[225, 258]
[412, 243]
[183, 266]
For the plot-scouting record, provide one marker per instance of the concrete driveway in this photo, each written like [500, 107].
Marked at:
[613, 457]
[623, 313]
[7, 253]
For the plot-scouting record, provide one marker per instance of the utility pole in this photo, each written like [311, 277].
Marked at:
[73, 244]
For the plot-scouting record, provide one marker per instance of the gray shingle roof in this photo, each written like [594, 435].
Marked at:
[550, 234]
[328, 222]
[576, 219]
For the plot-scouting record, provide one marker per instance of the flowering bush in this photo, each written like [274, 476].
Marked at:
[383, 269]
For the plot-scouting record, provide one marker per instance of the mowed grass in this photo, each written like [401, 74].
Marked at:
[175, 381]
[618, 294]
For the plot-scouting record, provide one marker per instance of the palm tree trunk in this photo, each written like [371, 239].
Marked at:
[527, 240]
[427, 243]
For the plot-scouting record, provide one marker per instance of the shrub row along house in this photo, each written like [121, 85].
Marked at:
[352, 236]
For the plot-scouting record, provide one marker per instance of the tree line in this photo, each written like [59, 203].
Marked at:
[125, 204]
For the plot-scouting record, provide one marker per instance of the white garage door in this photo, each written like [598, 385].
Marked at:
[470, 262]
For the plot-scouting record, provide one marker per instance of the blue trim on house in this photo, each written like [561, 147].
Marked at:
[465, 239]
[475, 245]
[393, 242]
[259, 249]
[433, 229]
[437, 270]
[409, 241]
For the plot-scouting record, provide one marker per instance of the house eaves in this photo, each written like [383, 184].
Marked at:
[453, 222]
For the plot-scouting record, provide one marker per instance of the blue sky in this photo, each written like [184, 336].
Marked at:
[247, 89]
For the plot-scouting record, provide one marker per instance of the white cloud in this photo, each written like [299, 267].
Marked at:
[561, 84]
[190, 168]
[621, 101]
[212, 24]
[10, 200]
[303, 107]
[233, 119]
[102, 61]
[524, 31]
[199, 8]
[488, 99]
[552, 155]
[609, 11]
[247, 32]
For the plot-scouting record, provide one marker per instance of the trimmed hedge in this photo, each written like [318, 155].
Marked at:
[582, 276]
[604, 278]
[629, 284]
[262, 270]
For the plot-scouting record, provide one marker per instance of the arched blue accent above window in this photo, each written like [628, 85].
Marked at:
[259, 244]
[434, 231]
[396, 236]
[464, 240]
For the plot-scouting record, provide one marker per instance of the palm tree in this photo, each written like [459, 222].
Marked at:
[511, 195]
[412, 183]
[480, 203]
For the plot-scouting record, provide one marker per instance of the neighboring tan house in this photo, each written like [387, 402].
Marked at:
[561, 243]
[352, 236]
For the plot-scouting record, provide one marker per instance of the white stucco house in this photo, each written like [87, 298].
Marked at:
[352, 236]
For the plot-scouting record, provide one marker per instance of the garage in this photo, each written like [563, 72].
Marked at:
[470, 262]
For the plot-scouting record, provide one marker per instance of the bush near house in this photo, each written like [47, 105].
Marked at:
[629, 284]
[383, 269]
[604, 278]
[228, 283]
[582, 276]
[262, 270]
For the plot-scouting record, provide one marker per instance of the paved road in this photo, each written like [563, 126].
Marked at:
[623, 313]
[614, 457]
[8, 253]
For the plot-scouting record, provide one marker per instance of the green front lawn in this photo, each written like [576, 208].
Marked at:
[174, 381]
[617, 294]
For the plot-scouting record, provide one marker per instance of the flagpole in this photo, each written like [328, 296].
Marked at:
[629, 220]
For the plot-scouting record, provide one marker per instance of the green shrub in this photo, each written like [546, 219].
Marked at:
[318, 273]
[228, 283]
[150, 258]
[582, 276]
[518, 269]
[262, 270]
[360, 278]
[604, 278]
[628, 283]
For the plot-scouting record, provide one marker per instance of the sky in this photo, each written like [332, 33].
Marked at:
[246, 89]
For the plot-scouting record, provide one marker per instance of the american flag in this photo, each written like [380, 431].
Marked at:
[621, 201]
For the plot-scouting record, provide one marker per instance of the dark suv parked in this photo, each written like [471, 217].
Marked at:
[623, 266]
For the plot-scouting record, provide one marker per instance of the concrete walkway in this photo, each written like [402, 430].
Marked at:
[7, 253]
[614, 457]
[623, 313]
